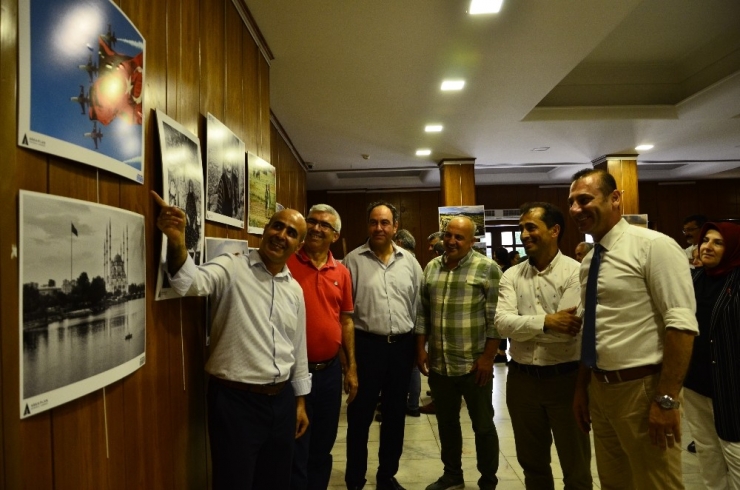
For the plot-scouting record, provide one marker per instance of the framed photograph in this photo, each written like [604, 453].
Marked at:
[262, 198]
[81, 84]
[182, 175]
[225, 167]
[82, 298]
[640, 220]
[476, 213]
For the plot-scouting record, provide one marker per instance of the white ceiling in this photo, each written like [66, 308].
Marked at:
[583, 77]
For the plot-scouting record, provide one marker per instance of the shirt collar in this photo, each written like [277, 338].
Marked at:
[303, 257]
[462, 261]
[553, 263]
[255, 260]
[613, 235]
[365, 249]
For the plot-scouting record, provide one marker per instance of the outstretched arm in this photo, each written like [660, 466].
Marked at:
[171, 222]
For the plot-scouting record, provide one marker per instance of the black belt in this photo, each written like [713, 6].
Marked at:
[271, 389]
[390, 338]
[320, 366]
[545, 371]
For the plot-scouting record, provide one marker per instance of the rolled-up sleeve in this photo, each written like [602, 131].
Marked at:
[668, 279]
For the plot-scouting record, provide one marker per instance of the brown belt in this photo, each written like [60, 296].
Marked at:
[629, 374]
[271, 390]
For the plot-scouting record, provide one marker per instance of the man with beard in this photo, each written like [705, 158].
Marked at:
[638, 329]
[225, 193]
[538, 303]
[457, 307]
[385, 284]
[257, 364]
[330, 336]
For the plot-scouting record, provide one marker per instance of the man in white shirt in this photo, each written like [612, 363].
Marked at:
[691, 231]
[638, 330]
[257, 365]
[538, 305]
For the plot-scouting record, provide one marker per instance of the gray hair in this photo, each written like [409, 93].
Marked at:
[406, 238]
[325, 208]
[588, 246]
[437, 234]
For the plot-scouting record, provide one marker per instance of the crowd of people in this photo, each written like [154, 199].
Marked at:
[599, 344]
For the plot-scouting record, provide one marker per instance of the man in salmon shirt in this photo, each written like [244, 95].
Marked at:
[330, 340]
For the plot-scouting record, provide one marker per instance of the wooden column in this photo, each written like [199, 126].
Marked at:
[624, 170]
[457, 182]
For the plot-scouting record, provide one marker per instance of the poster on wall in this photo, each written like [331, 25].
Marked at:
[82, 298]
[476, 213]
[225, 168]
[182, 176]
[81, 84]
[262, 198]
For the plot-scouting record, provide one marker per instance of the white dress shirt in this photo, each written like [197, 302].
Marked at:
[644, 287]
[258, 320]
[526, 295]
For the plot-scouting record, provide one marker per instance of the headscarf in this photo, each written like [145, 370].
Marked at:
[731, 257]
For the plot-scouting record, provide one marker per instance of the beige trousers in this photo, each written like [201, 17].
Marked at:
[625, 458]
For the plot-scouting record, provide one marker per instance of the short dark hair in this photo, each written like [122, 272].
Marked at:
[502, 255]
[699, 218]
[607, 184]
[390, 206]
[406, 238]
[513, 254]
[437, 234]
[551, 214]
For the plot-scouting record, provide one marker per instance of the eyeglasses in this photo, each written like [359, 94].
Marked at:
[311, 222]
[686, 231]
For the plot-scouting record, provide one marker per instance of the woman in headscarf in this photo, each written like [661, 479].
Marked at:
[712, 394]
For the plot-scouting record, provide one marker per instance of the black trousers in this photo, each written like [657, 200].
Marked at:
[252, 437]
[386, 367]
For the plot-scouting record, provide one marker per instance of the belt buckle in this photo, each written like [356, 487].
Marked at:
[389, 338]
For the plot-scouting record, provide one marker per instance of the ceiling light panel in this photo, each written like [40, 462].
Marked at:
[449, 85]
[643, 147]
[433, 128]
[478, 7]
[423, 152]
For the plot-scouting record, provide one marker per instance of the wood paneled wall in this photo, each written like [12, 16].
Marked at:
[147, 431]
[666, 206]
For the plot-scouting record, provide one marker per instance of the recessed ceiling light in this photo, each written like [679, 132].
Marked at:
[485, 6]
[423, 153]
[540, 148]
[433, 128]
[453, 84]
[643, 147]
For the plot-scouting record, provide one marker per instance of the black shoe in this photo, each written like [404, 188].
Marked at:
[429, 392]
[413, 412]
[691, 447]
[500, 358]
[391, 484]
[378, 417]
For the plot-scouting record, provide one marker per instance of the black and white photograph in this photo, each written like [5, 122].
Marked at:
[82, 295]
[82, 84]
[182, 175]
[225, 174]
[262, 195]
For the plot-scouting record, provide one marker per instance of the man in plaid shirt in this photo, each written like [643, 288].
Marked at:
[458, 304]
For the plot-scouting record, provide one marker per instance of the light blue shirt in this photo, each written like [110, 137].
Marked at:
[258, 320]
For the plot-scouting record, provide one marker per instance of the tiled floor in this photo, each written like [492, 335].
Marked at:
[420, 464]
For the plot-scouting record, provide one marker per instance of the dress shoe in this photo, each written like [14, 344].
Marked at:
[500, 358]
[447, 482]
[691, 447]
[378, 417]
[391, 484]
[413, 412]
[428, 409]
[429, 392]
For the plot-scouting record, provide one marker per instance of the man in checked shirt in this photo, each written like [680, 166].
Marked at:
[458, 297]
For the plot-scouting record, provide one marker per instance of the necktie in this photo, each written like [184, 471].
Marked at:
[588, 342]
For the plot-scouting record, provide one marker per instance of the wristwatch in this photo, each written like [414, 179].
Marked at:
[666, 402]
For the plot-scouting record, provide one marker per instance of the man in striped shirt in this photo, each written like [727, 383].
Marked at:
[459, 293]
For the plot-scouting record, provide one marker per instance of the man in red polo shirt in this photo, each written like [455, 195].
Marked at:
[330, 341]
